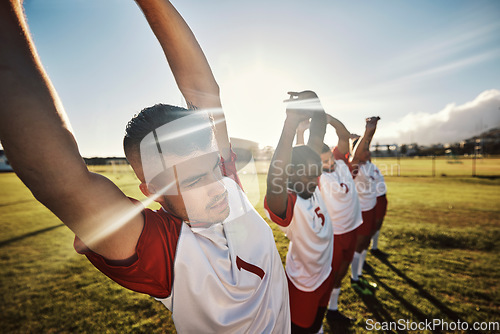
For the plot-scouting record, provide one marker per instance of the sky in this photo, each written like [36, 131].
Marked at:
[429, 69]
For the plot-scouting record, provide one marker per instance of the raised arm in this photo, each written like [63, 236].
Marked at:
[276, 195]
[342, 133]
[303, 126]
[363, 145]
[43, 152]
[277, 178]
[188, 63]
[317, 128]
[308, 100]
[353, 140]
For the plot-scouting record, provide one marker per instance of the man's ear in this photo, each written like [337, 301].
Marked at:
[150, 191]
[144, 189]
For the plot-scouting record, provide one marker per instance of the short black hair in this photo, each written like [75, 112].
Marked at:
[354, 142]
[325, 148]
[303, 154]
[151, 118]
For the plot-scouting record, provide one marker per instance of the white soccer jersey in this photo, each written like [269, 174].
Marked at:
[380, 186]
[341, 198]
[365, 185]
[309, 257]
[228, 282]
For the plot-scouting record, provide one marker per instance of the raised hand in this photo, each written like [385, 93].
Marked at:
[371, 122]
[303, 126]
[304, 95]
[302, 105]
[354, 136]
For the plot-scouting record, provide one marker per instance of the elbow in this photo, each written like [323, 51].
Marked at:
[209, 87]
[215, 88]
[202, 96]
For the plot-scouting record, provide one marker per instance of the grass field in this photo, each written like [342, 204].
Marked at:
[441, 233]
[439, 166]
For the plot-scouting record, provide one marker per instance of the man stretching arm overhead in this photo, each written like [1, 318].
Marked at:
[206, 255]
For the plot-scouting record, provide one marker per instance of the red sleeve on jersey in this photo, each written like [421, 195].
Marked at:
[292, 198]
[228, 168]
[151, 270]
[337, 155]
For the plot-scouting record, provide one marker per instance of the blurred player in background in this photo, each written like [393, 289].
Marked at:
[380, 211]
[363, 172]
[341, 199]
[294, 202]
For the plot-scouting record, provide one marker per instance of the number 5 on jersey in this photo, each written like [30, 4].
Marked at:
[320, 215]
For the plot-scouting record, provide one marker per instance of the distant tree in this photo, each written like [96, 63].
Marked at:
[403, 149]
[416, 148]
[436, 150]
[389, 153]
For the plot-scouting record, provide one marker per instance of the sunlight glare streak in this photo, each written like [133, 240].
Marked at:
[253, 101]
[116, 222]
[184, 131]
[308, 104]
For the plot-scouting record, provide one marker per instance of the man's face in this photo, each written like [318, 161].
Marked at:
[197, 193]
[305, 179]
[328, 161]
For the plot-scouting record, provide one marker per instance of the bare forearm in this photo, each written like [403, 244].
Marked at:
[317, 131]
[43, 151]
[363, 146]
[185, 56]
[32, 127]
[188, 64]
[340, 128]
[300, 138]
[277, 176]
[342, 133]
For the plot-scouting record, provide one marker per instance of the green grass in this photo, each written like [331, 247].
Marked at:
[441, 233]
[440, 166]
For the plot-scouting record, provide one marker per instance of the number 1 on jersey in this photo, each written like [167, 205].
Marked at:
[241, 264]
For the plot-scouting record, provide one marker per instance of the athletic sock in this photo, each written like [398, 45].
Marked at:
[362, 258]
[354, 266]
[375, 240]
[334, 299]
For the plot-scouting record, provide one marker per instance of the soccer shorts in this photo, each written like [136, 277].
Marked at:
[344, 246]
[368, 225]
[304, 305]
[381, 207]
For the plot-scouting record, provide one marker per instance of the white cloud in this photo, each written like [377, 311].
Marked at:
[451, 124]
